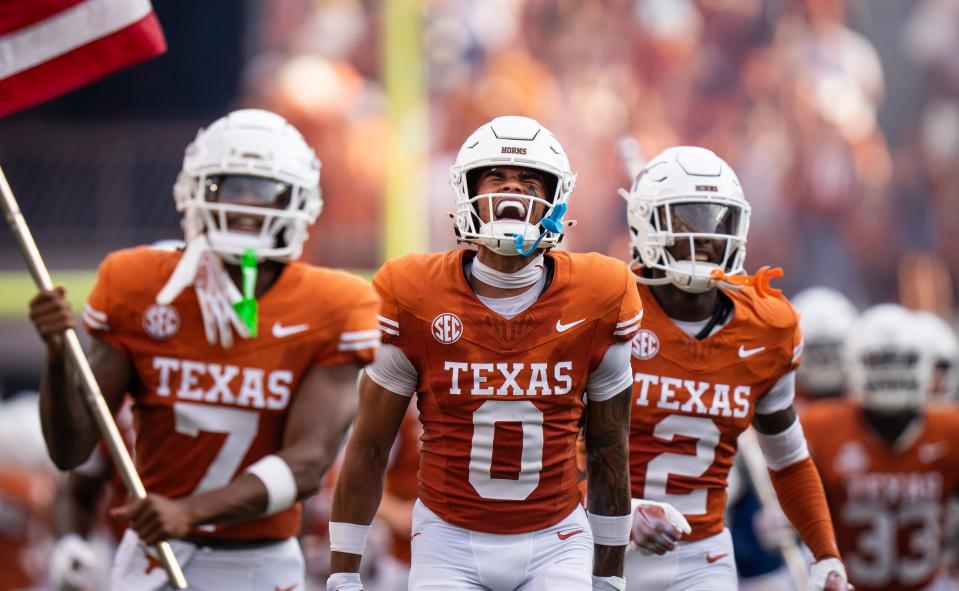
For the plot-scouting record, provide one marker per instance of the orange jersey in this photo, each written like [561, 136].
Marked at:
[500, 400]
[888, 502]
[692, 399]
[203, 413]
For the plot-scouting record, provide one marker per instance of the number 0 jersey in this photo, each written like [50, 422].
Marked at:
[888, 502]
[500, 400]
[204, 413]
[693, 398]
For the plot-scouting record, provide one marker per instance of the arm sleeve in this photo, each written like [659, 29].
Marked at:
[613, 375]
[101, 317]
[780, 396]
[803, 500]
[393, 371]
[630, 312]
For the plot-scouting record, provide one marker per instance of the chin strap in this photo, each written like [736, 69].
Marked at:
[247, 307]
[760, 281]
[551, 223]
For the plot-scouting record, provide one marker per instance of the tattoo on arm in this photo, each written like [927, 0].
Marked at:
[607, 468]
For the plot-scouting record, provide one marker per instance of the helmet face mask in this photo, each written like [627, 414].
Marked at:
[687, 218]
[509, 142]
[250, 181]
[826, 318]
[889, 366]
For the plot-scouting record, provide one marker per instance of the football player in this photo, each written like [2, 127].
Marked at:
[499, 345]
[825, 318]
[888, 460]
[714, 356]
[240, 360]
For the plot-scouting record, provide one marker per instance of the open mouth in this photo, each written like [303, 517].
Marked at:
[511, 209]
[238, 223]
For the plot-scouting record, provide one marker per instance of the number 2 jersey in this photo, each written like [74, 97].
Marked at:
[501, 399]
[693, 398]
[203, 413]
[888, 501]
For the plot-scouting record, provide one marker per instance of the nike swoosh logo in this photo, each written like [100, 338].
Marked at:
[416, 533]
[931, 452]
[563, 535]
[744, 352]
[711, 559]
[560, 327]
[280, 331]
[290, 588]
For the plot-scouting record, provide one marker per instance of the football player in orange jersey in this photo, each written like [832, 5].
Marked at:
[500, 345]
[888, 460]
[712, 358]
[240, 401]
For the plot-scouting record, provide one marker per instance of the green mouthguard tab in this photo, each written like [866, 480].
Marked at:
[246, 308]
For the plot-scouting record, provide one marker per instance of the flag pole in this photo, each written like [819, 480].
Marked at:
[91, 390]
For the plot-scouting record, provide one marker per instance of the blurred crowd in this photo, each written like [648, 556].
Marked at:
[788, 91]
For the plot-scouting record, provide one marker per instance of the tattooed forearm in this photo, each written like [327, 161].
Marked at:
[607, 471]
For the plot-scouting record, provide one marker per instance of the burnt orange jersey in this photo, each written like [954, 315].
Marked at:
[888, 502]
[692, 399]
[204, 413]
[500, 400]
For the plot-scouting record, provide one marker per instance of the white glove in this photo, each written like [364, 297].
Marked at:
[831, 571]
[657, 526]
[202, 268]
[74, 564]
[609, 583]
[344, 582]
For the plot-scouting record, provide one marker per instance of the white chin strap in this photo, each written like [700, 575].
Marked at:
[231, 245]
[499, 235]
[525, 277]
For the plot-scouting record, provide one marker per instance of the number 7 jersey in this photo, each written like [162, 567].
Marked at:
[693, 398]
[501, 399]
[203, 413]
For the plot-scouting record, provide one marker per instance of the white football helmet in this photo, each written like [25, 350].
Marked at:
[256, 152]
[687, 194]
[825, 317]
[944, 347]
[510, 141]
[890, 366]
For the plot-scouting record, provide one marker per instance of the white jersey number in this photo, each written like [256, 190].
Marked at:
[877, 560]
[662, 466]
[240, 427]
[481, 452]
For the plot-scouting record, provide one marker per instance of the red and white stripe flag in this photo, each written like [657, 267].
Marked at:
[50, 47]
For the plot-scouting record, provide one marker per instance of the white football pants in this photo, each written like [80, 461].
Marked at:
[704, 565]
[450, 558]
[277, 566]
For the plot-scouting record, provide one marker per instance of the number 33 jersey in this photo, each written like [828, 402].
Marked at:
[693, 398]
[204, 413]
[888, 502]
[501, 400]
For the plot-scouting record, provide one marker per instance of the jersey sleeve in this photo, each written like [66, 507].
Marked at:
[358, 337]
[388, 318]
[102, 313]
[630, 312]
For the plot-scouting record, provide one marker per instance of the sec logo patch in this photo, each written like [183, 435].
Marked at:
[447, 328]
[645, 345]
[161, 322]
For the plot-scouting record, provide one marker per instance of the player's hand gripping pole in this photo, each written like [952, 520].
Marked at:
[759, 477]
[91, 390]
